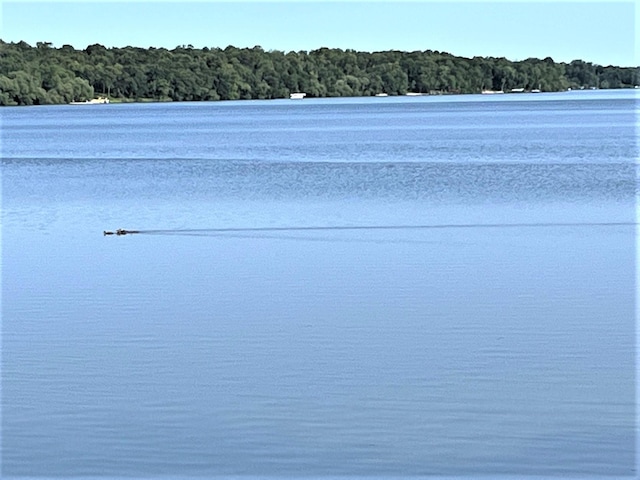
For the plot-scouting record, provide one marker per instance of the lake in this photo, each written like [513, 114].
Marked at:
[330, 288]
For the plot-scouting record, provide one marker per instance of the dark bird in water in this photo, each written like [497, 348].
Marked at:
[120, 232]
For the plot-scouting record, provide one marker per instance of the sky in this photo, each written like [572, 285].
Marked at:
[601, 32]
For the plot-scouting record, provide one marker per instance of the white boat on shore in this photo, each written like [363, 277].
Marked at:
[297, 96]
[93, 101]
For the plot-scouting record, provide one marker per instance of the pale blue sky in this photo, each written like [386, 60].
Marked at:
[600, 32]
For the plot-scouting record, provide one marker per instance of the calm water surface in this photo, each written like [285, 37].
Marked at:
[325, 288]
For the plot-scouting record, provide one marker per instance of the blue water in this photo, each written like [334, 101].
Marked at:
[397, 287]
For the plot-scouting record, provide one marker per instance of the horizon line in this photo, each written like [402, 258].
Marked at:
[190, 46]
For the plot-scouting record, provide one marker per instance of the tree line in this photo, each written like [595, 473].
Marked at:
[47, 75]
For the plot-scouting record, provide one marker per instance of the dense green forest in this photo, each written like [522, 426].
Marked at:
[43, 74]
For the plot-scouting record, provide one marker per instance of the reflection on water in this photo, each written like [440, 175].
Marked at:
[308, 314]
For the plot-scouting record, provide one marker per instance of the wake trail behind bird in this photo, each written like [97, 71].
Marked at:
[203, 231]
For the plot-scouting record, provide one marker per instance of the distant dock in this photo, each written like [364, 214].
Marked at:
[93, 101]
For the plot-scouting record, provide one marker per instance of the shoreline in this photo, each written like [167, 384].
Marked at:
[486, 93]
